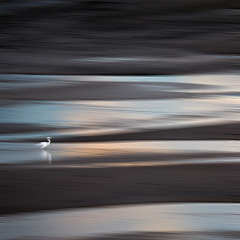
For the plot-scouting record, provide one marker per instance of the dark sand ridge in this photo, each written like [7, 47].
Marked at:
[203, 235]
[35, 63]
[224, 131]
[10, 128]
[217, 131]
[32, 188]
[229, 131]
[100, 90]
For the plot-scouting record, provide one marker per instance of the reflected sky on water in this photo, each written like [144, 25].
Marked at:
[124, 219]
[111, 154]
[89, 115]
[26, 119]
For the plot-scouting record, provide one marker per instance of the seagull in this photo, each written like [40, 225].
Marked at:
[44, 144]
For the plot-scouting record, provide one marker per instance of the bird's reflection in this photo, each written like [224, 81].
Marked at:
[46, 156]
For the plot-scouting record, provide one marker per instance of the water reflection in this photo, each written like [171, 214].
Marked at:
[123, 153]
[46, 156]
[151, 107]
[109, 220]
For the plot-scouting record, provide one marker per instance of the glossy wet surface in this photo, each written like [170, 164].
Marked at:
[214, 100]
[122, 153]
[124, 219]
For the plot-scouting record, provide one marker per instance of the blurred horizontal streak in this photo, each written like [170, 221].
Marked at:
[234, 159]
[62, 88]
[121, 152]
[224, 131]
[13, 128]
[112, 91]
[52, 65]
[228, 131]
[215, 221]
[53, 188]
[92, 91]
[119, 37]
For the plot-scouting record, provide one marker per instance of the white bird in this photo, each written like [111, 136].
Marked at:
[44, 144]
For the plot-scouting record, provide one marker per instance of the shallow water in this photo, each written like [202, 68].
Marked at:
[125, 219]
[121, 153]
[217, 102]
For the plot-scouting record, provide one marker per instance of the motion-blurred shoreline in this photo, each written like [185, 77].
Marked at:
[46, 49]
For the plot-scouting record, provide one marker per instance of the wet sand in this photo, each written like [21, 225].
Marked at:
[32, 188]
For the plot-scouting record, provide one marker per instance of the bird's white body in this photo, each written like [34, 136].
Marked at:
[44, 144]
